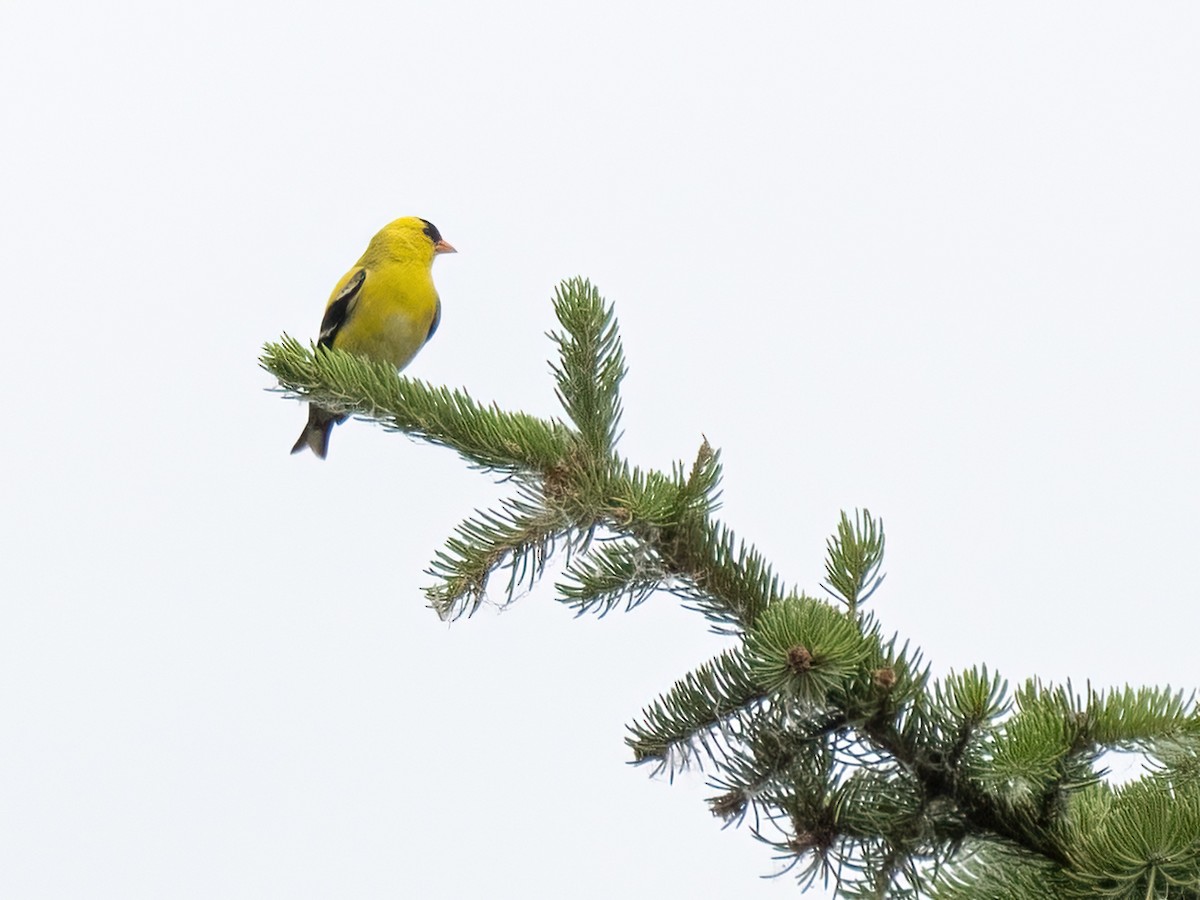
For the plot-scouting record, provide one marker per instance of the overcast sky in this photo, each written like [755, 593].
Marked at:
[935, 259]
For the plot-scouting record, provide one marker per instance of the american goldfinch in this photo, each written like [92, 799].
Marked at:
[385, 308]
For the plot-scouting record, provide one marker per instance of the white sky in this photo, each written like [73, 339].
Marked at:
[937, 259]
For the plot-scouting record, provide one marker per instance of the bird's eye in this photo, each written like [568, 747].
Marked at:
[431, 231]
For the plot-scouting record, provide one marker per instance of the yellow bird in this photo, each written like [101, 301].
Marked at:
[385, 308]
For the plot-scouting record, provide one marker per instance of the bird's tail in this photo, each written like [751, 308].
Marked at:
[315, 435]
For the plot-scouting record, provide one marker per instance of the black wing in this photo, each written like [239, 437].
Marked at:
[339, 310]
[437, 319]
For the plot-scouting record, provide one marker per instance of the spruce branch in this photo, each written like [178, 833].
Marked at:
[612, 571]
[592, 364]
[485, 436]
[686, 720]
[805, 649]
[854, 556]
[972, 697]
[584, 486]
[724, 578]
[834, 742]
[1139, 841]
[521, 535]
[1140, 718]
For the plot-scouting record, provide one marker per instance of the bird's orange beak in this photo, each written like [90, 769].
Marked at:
[443, 247]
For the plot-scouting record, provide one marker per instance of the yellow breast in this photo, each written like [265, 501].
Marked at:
[392, 315]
